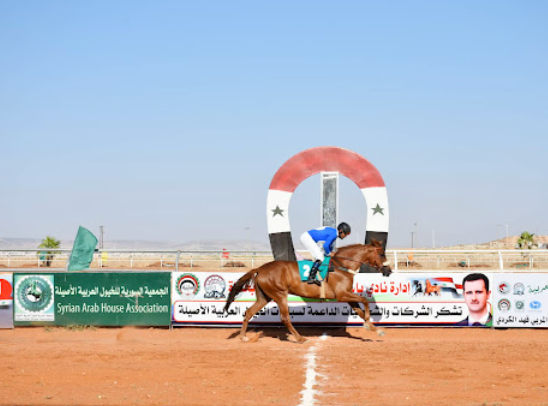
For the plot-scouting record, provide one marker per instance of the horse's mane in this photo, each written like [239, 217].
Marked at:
[353, 246]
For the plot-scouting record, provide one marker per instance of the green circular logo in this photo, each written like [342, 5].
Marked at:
[34, 293]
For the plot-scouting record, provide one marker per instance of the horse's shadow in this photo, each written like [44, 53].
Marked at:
[310, 333]
[313, 332]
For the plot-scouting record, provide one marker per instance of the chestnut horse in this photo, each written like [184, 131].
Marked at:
[432, 289]
[275, 280]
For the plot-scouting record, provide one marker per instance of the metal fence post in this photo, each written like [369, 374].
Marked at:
[177, 261]
[501, 264]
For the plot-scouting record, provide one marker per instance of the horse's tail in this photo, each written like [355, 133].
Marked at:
[238, 287]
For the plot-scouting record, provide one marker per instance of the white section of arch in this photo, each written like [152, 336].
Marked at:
[277, 201]
[376, 221]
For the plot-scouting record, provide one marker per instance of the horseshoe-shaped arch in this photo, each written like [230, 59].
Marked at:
[310, 162]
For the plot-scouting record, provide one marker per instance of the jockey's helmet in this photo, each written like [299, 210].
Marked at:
[344, 228]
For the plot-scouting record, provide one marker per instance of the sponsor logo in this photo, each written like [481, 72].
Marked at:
[535, 305]
[504, 288]
[519, 289]
[504, 305]
[6, 292]
[520, 304]
[188, 285]
[215, 287]
[34, 294]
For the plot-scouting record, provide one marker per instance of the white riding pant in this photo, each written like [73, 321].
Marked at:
[312, 246]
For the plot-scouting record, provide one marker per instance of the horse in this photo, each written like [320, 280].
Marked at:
[275, 280]
[34, 292]
[432, 289]
[418, 287]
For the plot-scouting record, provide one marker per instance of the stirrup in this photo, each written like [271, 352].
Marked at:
[314, 281]
[313, 272]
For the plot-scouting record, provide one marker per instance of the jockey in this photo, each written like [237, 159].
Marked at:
[327, 236]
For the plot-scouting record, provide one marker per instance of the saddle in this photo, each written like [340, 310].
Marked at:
[322, 275]
[306, 266]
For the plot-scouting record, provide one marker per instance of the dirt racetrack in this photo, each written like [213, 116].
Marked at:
[210, 366]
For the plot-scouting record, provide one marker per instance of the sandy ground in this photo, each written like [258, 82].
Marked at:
[210, 366]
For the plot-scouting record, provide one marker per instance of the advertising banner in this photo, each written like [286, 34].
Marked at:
[521, 300]
[425, 299]
[6, 300]
[93, 298]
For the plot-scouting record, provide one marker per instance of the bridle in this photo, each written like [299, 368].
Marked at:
[342, 268]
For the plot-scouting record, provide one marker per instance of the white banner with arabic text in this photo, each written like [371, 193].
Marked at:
[425, 299]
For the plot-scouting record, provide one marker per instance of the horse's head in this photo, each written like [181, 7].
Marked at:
[370, 254]
[384, 265]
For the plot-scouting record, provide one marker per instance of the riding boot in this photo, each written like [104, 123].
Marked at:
[312, 275]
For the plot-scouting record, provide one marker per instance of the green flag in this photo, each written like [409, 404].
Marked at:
[82, 250]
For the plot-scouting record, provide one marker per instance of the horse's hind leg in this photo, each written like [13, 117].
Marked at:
[261, 302]
[286, 318]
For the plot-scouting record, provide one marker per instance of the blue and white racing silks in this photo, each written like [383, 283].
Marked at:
[326, 235]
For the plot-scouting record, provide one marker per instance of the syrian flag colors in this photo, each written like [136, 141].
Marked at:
[313, 161]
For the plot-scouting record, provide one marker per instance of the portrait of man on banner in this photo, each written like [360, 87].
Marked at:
[475, 288]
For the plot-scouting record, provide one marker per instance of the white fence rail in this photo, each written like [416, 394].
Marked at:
[401, 260]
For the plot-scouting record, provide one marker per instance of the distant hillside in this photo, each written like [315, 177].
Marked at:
[506, 243]
[236, 245]
[217, 245]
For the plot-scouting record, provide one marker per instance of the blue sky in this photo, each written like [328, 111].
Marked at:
[166, 120]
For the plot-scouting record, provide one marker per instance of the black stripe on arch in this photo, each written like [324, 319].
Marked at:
[282, 246]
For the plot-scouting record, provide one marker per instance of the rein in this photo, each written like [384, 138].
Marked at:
[342, 268]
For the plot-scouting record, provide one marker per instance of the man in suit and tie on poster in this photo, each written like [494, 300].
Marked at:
[476, 295]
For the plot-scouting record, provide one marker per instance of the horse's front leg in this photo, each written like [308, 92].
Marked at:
[354, 301]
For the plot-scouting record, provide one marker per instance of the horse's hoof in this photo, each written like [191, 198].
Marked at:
[381, 332]
[302, 340]
[255, 338]
[244, 339]
[365, 326]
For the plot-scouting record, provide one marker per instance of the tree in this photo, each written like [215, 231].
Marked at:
[51, 243]
[526, 241]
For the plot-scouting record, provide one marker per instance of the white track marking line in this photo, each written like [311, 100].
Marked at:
[308, 393]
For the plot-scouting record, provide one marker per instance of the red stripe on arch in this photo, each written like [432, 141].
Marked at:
[326, 159]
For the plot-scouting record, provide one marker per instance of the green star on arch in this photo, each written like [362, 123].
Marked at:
[277, 210]
[377, 209]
